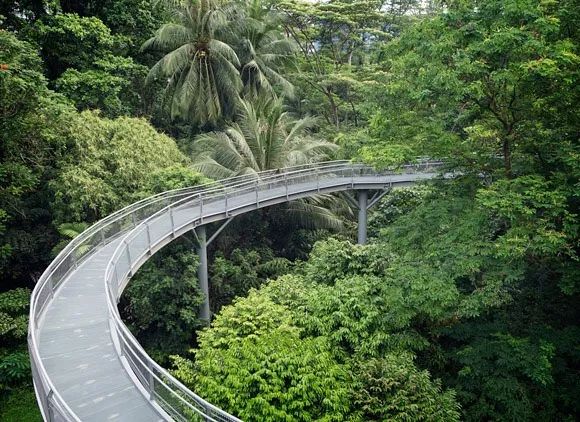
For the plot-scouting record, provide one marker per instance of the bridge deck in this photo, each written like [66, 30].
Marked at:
[75, 342]
[77, 349]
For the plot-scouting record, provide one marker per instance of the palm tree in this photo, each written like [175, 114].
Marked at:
[203, 82]
[265, 137]
[262, 50]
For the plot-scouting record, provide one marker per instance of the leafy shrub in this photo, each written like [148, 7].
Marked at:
[392, 388]
[14, 360]
[253, 363]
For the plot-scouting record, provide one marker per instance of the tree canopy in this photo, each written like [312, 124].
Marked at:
[463, 304]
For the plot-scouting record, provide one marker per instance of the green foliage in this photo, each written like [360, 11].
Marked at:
[99, 77]
[14, 369]
[516, 361]
[136, 20]
[333, 39]
[113, 85]
[479, 82]
[32, 121]
[216, 51]
[503, 363]
[283, 377]
[373, 315]
[109, 163]
[250, 317]
[361, 315]
[14, 360]
[394, 205]
[489, 87]
[263, 50]
[69, 231]
[20, 406]
[242, 270]
[290, 290]
[269, 340]
[332, 260]
[254, 363]
[536, 216]
[161, 302]
[14, 15]
[392, 388]
[453, 236]
[387, 157]
[70, 40]
[172, 177]
[14, 315]
[5, 249]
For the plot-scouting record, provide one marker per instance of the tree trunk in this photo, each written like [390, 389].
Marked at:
[507, 158]
[333, 107]
[354, 113]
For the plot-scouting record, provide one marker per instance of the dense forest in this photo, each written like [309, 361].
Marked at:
[464, 305]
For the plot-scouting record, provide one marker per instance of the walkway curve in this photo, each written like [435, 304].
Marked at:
[86, 365]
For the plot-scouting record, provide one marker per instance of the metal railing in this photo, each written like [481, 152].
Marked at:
[134, 223]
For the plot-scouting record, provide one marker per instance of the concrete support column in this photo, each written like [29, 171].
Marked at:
[204, 312]
[363, 198]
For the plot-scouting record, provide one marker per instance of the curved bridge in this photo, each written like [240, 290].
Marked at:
[86, 365]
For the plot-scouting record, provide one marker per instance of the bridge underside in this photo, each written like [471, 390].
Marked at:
[362, 203]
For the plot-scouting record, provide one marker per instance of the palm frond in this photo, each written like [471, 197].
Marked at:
[224, 50]
[298, 128]
[243, 145]
[72, 230]
[211, 168]
[203, 82]
[169, 37]
[171, 65]
[311, 216]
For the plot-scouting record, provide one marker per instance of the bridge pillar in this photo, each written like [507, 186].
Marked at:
[363, 197]
[204, 312]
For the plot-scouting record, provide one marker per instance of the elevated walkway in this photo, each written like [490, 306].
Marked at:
[86, 364]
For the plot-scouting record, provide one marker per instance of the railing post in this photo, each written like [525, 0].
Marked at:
[133, 219]
[226, 205]
[151, 381]
[148, 237]
[286, 183]
[129, 257]
[317, 180]
[257, 200]
[172, 221]
[102, 237]
[121, 342]
[49, 411]
[51, 286]
[200, 208]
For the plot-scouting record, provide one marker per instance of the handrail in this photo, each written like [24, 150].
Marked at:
[47, 395]
[129, 222]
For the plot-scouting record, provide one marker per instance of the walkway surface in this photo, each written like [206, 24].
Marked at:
[77, 349]
[81, 373]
